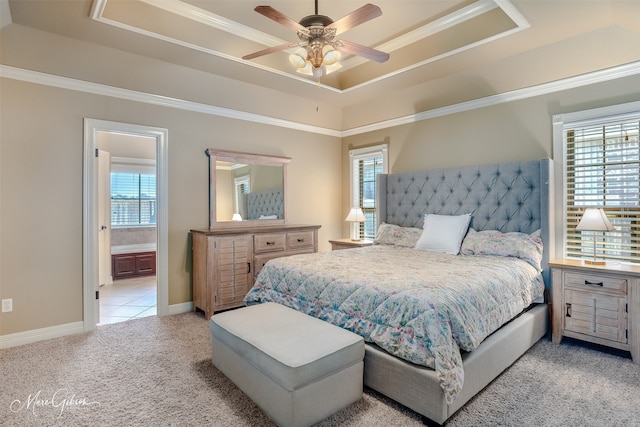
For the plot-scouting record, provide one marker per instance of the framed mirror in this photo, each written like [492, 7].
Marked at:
[246, 189]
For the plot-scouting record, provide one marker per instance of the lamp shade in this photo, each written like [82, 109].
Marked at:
[356, 215]
[594, 219]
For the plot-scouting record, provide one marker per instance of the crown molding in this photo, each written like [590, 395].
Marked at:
[581, 80]
[153, 99]
[586, 79]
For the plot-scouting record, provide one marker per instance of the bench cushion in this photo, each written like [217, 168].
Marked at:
[291, 348]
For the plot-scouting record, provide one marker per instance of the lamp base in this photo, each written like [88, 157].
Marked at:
[594, 262]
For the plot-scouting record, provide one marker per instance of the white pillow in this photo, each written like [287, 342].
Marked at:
[443, 233]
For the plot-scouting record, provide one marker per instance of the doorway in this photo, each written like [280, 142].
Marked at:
[127, 231]
[122, 138]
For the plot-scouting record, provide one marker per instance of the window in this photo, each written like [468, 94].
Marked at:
[600, 152]
[366, 163]
[133, 195]
[242, 186]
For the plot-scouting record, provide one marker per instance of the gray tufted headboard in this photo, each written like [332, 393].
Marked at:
[265, 202]
[514, 196]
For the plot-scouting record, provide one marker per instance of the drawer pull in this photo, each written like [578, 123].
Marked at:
[300, 240]
[568, 310]
[586, 282]
[248, 267]
[271, 243]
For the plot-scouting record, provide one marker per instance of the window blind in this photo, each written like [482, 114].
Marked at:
[602, 164]
[133, 199]
[366, 163]
[368, 168]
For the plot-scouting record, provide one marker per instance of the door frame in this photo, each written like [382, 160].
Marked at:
[90, 214]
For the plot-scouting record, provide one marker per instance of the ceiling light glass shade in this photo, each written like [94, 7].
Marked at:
[329, 55]
[331, 68]
[298, 58]
[307, 69]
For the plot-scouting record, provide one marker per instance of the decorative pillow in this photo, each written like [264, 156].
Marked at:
[527, 247]
[391, 234]
[443, 233]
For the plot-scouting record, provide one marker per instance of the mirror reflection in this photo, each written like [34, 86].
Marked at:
[246, 189]
[247, 192]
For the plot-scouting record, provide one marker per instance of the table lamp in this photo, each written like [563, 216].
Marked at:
[355, 216]
[594, 219]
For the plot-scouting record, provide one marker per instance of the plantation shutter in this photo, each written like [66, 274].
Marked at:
[365, 165]
[602, 164]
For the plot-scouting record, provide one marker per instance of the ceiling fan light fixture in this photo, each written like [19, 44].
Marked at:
[299, 58]
[317, 34]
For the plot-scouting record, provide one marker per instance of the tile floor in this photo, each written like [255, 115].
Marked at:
[128, 299]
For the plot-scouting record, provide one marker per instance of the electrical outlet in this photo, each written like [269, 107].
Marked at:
[7, 305]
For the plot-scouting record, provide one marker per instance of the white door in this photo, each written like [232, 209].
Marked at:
[104, 218]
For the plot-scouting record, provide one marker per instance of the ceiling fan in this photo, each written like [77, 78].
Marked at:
[318, 46]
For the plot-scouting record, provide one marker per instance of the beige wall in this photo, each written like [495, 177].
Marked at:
[41, 155]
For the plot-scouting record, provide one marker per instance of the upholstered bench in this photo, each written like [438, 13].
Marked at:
[297, 368]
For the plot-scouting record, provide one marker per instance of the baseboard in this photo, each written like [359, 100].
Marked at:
[34, 335]
[181, 308]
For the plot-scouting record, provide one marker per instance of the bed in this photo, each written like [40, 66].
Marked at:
[265, 204]
[433, 349]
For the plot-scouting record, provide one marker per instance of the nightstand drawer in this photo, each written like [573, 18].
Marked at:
[590, 282]
[595, 314]
[269, 242]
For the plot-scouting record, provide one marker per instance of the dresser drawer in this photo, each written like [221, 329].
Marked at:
[268, 242]
[299, 240]
[590, 282]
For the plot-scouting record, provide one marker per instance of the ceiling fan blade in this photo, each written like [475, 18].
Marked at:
[279, 17]
[269, 50]
[364, 51]
[357, 17]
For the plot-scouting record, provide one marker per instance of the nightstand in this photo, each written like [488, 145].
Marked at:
[599, 304]
[349, 244]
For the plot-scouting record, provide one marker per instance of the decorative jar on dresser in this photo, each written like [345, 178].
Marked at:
[597, 303]
[226, 261]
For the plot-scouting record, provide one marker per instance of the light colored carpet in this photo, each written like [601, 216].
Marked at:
[157, 371]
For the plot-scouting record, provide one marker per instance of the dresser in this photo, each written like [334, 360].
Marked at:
[599, 304]
[226, 261]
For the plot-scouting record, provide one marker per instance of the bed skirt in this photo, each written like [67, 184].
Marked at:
[418, 387]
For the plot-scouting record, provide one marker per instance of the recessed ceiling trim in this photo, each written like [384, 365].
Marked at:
[600, 76]
[210, 19]
[514, 14]
[97, 15]
[434, 27]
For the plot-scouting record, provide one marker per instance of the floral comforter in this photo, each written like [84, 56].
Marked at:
[420, 306]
